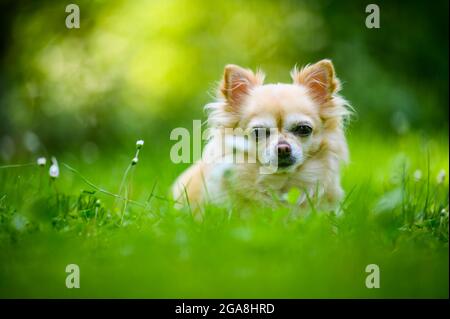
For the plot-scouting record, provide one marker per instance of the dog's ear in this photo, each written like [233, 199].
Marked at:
[237, 83]
[319, 79]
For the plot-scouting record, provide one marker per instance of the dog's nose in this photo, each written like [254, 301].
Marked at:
[284, 150]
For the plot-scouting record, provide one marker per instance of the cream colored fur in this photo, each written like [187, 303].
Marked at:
[244, 101]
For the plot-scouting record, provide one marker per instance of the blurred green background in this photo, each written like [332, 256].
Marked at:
[140, 68]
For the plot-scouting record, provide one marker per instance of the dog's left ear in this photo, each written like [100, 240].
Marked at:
[237, 83]
[319, 79]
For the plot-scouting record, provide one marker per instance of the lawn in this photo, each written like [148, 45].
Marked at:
[395, 215]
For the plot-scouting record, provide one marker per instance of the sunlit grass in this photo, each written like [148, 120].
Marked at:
[390, 218]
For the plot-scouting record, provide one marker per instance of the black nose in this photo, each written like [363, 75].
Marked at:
[284, 150]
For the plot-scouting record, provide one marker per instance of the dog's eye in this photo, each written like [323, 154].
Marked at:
[260, 132]
[302, 130]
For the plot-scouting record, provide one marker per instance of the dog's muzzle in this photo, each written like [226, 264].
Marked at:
[284, 153]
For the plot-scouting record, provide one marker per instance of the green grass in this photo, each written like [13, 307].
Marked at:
[388, 219]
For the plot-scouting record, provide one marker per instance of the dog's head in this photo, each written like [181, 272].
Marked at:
[286, 123]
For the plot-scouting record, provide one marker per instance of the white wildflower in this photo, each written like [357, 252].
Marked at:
[139, 144]
[54, 169]
[41, 161]
[441, 176]
[19, 222]
[417, 175]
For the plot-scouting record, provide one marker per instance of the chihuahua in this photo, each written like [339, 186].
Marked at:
[266, 139]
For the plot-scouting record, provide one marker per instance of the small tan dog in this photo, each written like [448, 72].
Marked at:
[294, 131]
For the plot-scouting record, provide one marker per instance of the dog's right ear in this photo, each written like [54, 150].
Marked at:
[237, 83]
[319, 79]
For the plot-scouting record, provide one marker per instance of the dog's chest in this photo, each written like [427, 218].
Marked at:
[274, 183]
